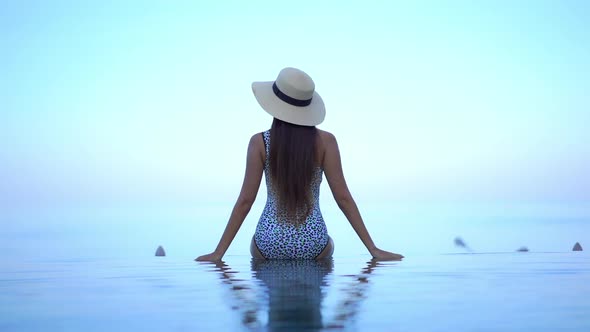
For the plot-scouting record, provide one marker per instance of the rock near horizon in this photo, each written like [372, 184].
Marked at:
[160, 251]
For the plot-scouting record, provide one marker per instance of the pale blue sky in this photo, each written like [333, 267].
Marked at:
[149, 102]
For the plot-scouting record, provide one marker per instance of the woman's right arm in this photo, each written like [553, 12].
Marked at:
[333, 169]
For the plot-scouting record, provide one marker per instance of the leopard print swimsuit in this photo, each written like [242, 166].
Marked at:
[278, 239]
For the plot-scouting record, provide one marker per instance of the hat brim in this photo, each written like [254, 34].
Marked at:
[310, 115]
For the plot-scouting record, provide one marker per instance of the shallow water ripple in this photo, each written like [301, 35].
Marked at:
[468, 292]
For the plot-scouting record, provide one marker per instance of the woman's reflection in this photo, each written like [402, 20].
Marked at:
[294, 290]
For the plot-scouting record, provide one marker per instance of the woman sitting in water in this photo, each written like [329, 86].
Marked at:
[293, 154]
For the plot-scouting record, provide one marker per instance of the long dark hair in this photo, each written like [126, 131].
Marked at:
[292, 163]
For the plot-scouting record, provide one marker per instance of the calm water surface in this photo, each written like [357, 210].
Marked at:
[440, 292]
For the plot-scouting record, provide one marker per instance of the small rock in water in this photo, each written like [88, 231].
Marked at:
[577, 247]
[460, 243]
[160, 251]
[523, 249]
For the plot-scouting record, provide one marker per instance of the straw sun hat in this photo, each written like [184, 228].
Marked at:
[291, 98]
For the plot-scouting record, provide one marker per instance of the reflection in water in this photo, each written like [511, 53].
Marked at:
[294, 292]
[291, 294]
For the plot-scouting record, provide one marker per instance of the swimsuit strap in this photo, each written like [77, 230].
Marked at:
[266, 139]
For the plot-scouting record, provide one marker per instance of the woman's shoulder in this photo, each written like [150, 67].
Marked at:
[257, 136]
[257, 141]
[326, 137]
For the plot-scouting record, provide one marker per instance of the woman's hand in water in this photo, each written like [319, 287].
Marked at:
[212, 257]
[382, 255]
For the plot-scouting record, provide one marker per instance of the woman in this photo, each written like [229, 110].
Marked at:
[293, 154]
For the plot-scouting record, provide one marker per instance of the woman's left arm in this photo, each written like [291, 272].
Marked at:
[252, 178]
